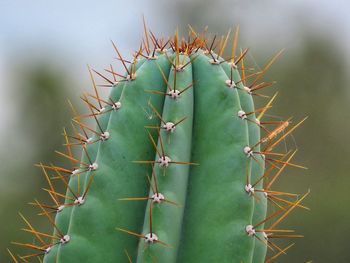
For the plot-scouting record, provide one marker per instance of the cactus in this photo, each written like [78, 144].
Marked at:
[174, 170]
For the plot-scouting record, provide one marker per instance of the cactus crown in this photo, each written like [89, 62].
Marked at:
[174, 169]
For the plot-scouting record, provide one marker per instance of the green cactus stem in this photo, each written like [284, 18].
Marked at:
[174, 169]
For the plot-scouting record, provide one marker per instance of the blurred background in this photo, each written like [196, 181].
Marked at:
[44, 49]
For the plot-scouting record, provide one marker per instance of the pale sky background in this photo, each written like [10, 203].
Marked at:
[79, 32]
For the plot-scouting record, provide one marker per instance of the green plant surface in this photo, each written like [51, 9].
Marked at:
[62, 219]
[174, 169]
[114, 165]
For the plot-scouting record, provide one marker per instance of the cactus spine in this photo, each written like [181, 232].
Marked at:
[174, 170]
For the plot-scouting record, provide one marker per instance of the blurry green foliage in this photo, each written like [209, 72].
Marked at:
[41, 93]
[313, 81]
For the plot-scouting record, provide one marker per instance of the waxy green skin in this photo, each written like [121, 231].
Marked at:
[62, 218]
[213, 209]
[218, 208]
[171, 181]
[257, 169]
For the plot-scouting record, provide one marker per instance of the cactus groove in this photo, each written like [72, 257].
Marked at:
[174, 169]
